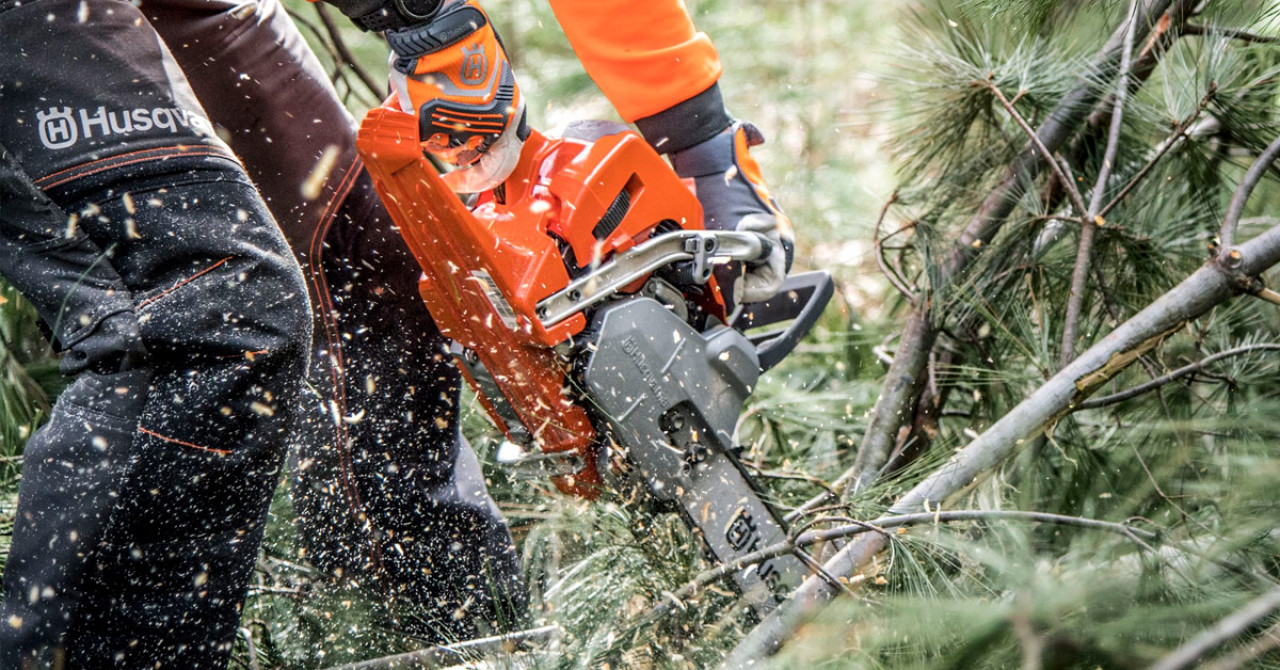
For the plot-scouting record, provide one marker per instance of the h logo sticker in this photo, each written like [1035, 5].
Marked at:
[474, 64]
[58, 130]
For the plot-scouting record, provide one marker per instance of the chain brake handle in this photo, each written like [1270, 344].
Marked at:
[800, 301]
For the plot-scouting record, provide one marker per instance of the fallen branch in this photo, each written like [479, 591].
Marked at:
[672, 600]
[1214, 283]
[1268, 641]
[1095, 403]
[1253, 612]
[901, 389]
[449, 655]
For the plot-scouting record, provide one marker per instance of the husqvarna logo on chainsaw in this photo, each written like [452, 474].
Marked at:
[62, 127]
[58, 129]
[474, 64]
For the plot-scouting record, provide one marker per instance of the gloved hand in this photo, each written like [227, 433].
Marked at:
[452, 71]
[728, 183]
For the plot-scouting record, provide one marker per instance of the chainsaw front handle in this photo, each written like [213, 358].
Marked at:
[800, 301]
[697, 250]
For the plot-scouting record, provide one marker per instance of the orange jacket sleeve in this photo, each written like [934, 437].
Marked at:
[645, 56]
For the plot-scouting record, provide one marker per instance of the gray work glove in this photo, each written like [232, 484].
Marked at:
[728, 183]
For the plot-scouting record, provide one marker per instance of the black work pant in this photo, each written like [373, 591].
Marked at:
[161, 273]
[184, 321]
[387, 492]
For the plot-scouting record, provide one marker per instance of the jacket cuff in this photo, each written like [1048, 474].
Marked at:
[380, 15]
[685, 124]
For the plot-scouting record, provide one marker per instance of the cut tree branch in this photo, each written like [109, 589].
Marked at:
[1214, 283]
[1181, 372]
[901, 389]
[808, 538]
[1256, 610]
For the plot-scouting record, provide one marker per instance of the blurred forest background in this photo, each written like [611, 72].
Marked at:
[891, 126]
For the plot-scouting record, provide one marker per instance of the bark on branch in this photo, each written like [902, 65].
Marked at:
[1092, 219]
[1235, 209]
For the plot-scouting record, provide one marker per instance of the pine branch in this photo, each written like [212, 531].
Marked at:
[932, 401]
[1181, 372]
[1098, 125]
[1230, 627]
[1233, 33]
[1142, 69]
[1211, 285]
[672, 600]
[1091, 220]
[1174, 139]
[901, 388]
[1064, 179]
[1235, 209]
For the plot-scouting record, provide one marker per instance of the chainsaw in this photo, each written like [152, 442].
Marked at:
[588, 311]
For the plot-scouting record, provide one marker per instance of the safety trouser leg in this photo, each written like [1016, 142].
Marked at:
[71, 472]
[387, 493]
[143, 499]
[222, 312]
[72, 465]
[184, 317]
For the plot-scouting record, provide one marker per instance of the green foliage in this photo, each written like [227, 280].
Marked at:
[28, 380]
[855, 96]
[28, 375]
[951, 121]
[1194, 459]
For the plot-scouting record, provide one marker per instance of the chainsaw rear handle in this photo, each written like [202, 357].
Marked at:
[800, 301]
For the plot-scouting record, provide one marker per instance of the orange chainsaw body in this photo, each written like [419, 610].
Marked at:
[485, 269]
